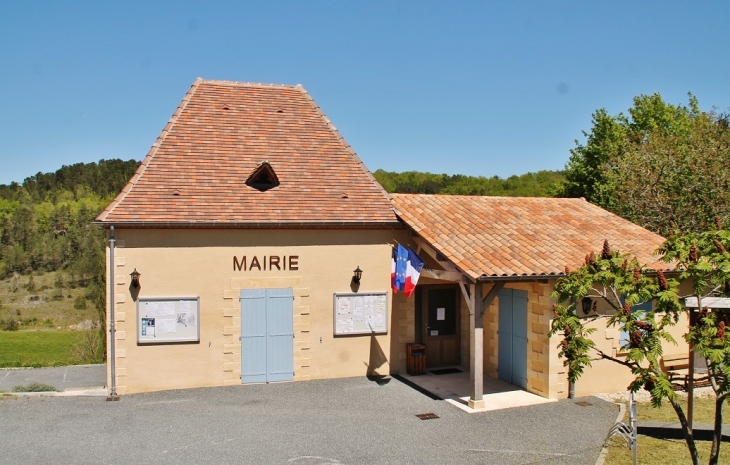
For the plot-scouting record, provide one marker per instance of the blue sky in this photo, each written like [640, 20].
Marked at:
[479, 88]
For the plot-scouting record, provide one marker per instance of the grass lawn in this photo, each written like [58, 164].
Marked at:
[41, 348]
[667, 451]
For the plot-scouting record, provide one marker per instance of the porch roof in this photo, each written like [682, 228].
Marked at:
[520, 237]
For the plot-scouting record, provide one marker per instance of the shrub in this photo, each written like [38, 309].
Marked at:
[35, 387]
[89, 348]
[80, 303]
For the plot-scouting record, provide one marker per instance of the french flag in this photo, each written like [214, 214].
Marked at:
[398, 268]
[413, 271]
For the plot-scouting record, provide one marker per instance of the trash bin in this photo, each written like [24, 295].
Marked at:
[415, 359]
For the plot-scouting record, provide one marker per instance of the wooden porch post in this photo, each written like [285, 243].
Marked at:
[476, 348]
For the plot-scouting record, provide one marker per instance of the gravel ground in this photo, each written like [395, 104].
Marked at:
[352, 421]
[643, 396]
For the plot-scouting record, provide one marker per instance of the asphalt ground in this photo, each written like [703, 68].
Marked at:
[61, 378]
[354, 421]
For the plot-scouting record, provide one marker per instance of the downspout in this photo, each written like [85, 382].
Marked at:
[112, 355]
[571, 384]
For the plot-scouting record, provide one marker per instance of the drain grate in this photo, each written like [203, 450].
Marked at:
[427, 416]
[583, 403]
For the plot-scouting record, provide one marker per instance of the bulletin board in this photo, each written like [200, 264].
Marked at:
[168, 319]
[361, 313]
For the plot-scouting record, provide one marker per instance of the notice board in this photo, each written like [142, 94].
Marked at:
[168, 319]
[361, 313]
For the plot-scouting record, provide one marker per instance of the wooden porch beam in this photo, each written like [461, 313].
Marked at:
[468, 295]
[445, 275]
[476, 350]
[489, 298]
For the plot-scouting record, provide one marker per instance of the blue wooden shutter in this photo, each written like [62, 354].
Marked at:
[280, 343]
[519, 338]
[504, 330]
[512, 331]
[253, 335]
[267, 335]
[646, 307]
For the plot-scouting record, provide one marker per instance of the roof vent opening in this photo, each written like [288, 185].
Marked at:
[226, 106]
[176, 192]
[280, 110]
[263, 177]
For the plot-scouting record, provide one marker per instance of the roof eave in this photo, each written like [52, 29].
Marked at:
[250, 225]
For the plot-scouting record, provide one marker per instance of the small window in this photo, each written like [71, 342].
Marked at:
[644, 308]
[263, 177]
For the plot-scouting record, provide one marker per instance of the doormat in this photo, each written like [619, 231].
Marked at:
[446, 371]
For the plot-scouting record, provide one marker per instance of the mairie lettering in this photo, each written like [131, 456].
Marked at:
[266, 263]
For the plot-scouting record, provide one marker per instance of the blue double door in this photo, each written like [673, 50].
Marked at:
[267, 335]
[512, 337]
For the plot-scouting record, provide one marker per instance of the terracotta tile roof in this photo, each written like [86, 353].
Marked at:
[517, 236]
[195, 172]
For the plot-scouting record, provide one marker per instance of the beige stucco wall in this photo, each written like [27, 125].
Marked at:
[191, 262]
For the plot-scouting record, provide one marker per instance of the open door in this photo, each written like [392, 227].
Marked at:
[440, 307]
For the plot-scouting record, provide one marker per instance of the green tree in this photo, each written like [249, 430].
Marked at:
[661, 166]
[622, 282]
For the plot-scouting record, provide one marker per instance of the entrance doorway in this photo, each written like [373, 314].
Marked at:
[267, 335]
[440, 323]
[512, 336]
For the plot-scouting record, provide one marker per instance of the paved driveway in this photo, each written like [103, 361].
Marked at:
[69, 378]
[352, 421]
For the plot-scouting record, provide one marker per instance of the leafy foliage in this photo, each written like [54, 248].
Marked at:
[540, 184]
[622, 282]
[663, 166]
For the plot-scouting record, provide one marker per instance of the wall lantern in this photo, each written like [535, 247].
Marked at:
[356, 275]
[135, 278]
[586, 304]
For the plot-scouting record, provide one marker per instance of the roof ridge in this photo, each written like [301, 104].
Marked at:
[344, 143]
[249, 84]
[151, 153]
[465, 196]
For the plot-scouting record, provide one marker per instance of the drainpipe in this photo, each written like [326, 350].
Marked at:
[112, 356]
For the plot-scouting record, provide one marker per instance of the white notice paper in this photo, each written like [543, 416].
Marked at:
[165, 325]
[379, 321]
[380, 304]
[440, 314]
[343, 306]
[166, 309]
[151, 309]
[184, 306]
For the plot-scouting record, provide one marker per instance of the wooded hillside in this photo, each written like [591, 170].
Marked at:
[540, 184]
[45, 225]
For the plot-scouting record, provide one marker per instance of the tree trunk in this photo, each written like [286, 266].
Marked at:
[717, 434]
[687, 432]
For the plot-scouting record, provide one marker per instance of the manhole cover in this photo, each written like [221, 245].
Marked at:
[427, 416]
[583, 403]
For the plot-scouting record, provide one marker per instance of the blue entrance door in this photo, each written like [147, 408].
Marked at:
[267, 335]
[512, 336]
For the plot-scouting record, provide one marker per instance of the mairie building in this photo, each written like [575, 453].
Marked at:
[252, 245]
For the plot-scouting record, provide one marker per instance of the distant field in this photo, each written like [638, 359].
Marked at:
[43, 348]
[52, 303]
